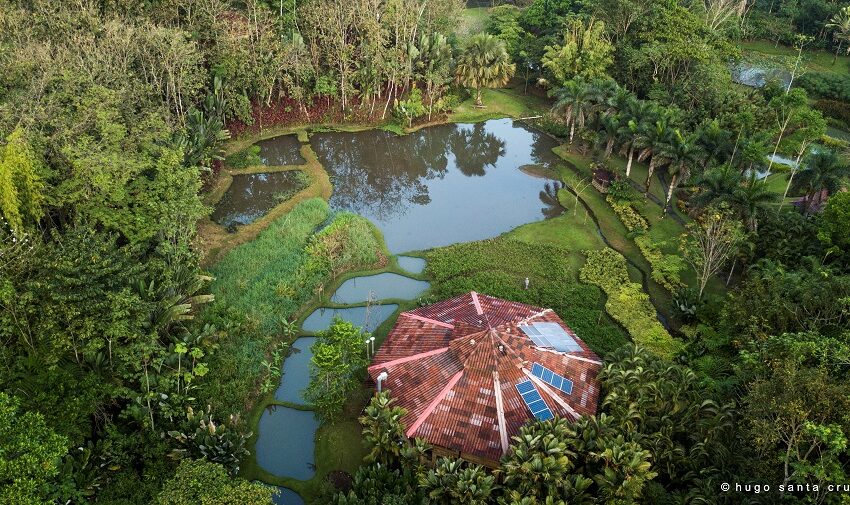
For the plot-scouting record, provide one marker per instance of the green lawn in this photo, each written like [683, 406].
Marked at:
[814, 59]
[498, 103]
[573, 231]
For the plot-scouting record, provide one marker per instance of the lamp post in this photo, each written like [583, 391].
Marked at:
[372, 341]
[367, 348]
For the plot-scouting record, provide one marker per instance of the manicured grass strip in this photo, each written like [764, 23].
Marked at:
[498, 267]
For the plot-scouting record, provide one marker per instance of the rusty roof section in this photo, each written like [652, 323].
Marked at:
[454, 366]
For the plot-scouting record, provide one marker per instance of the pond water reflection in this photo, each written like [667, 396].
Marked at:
[251, 196]
[443, 184]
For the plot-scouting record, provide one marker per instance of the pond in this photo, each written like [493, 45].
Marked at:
[286, 496]
[321, 318]
[381, 286]
[251, 196]
[412, 264]
[444, 184]
[757, 75]
[283, 150]
[286, 442]
[296, 372]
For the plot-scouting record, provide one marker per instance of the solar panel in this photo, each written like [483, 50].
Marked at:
[550, 335]
[533, 400]
[560, 339]
[549, 377]
[525, 387]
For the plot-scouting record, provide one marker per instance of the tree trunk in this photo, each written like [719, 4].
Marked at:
[631, 158]
[572, 130]
[790, 179]
[478, 98]
[649, 173]
[670, 193]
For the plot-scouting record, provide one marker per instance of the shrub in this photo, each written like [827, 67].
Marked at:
[834, 109]
[627, 303]
[826, 85]
[336, 368]
[621, 191]
[666, 268]
[631, 219]
[245, 158]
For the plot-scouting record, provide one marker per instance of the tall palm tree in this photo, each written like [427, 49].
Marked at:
[716, 142]
[574, 104]
[635, 112]
[751, 199]
[652, 139]
[841, 23]
[484, 63]
[716, 185]
[824, 172]
[609, 129]
[681, 152]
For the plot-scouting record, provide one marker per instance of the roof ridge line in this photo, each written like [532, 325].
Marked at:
[500, 413]
[532, 316]
[477, 304]
[428, 320]
[405, 359]
[433, 405]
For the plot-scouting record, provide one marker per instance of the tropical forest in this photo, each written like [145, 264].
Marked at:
[230, 229]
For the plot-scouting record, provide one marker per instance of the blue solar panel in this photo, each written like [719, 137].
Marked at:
[531, 396]
[544, 415]
[537, 406]
[551, 378]
[534, 401]
[525, 387]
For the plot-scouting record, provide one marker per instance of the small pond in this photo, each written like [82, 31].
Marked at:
[412, 264]
[286, 496]
[283, 150]
[444, 184]
[321, 318]
[381, 286]
[251, 196]
[296, 372]
[286, 442]
[757, 75]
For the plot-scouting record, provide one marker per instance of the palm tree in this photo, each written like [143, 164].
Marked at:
[680, 152]
[433, 65]
[574, 104]
[716, 185]
[652, 139]
[716, 142]
[609, 131]
[841, 23]
[751, 199]
[635, 112]
[484, 63]
[824, 172]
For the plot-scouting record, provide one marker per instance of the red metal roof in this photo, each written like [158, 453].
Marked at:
[454, 366]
